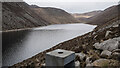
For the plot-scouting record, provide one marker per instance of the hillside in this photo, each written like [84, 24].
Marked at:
[100, 48]
[54, 15]
[98, 17]
[84, 17]
[107, 15]
[18, 16]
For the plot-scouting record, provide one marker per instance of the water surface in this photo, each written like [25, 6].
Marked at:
[21, 45]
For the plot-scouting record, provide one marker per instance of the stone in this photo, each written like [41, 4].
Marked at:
[88, 60]
[43, 65]
[97, 46]
[116, 25]
[105, 54]
[116, 55]
[59, 57]
[105, 62]
[110, 45]
[37, 60]
[77, 64]
[89, 66]
[81, 56]
[107, 33]
[101, 62]
[117, 39]
[116, 50]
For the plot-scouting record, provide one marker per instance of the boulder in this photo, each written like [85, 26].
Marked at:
[115, 25]
[81, 56]
[105, 54]
[77, 64]
[97, 46]
[116, 54]
[88, 60]
[110, 45]
[105, 62]
[89, 66]
[116, 50]
[117, 39]
[43, 65]
[107, 33]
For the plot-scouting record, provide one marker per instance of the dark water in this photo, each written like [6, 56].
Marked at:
[20, 45]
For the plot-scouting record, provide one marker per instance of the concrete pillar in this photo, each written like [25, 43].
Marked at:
[60, 58]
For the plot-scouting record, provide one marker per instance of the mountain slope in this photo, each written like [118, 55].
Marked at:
[107, 15]
[18, 15]
[84, 17]
[54, 15]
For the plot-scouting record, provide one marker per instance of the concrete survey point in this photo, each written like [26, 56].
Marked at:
[60, 57]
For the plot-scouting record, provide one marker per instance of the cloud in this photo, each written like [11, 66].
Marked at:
[74, 7]
[72, 0]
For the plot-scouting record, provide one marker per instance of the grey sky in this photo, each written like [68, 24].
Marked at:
[74, 6]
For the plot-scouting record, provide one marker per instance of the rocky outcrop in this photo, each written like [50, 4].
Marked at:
[54, 15]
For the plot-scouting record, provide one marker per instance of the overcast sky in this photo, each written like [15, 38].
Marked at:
[75, 6]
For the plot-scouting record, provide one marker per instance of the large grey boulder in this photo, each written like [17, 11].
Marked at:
[105, 54]
[110, 44]
[104, 63]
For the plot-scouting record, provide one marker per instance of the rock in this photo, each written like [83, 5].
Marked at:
[117, 39]
[116, 55]
[97, 46]
[116, 50]
[105, 62]
[89, 66]
[88, 60]
[37, 60]
[105, 53]
[43, 65]
[107, 33]
[77, 64]
[119, 45]
[81, 56]
[37, 65]
[93, 33]
[110, 45]
[116, 25]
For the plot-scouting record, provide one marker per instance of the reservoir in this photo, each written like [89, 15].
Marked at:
[20, 45]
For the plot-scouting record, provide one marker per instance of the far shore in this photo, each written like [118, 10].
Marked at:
[29, 28]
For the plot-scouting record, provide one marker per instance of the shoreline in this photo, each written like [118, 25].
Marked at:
[38, 27]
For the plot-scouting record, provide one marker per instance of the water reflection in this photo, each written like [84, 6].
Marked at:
[11, 41]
